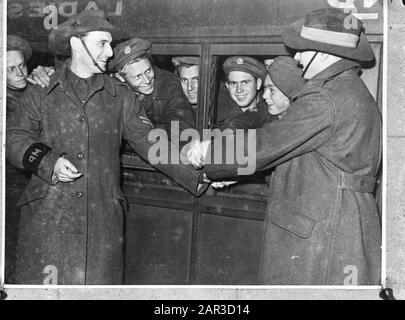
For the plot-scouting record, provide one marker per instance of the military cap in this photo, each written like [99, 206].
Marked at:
[17, 43]
[245, 64]
[177, 61]
[76, 25]
[329, 30]
[286, 75]
[126, 51]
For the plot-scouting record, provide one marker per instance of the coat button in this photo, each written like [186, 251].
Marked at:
[83, 101]
[80, 155]
[79, 194]
[81, 118]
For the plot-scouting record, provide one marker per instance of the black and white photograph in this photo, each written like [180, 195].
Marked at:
[203, 149]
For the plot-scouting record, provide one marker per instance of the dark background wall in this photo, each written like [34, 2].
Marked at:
[148, 18]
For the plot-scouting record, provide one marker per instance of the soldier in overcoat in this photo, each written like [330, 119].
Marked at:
[68, 136]
[158, 90]
[18, 53]
[322, 226]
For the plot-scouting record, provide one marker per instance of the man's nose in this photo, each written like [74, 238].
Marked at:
[239, 87]
[269, 100]
[190, 85]
[19, 72]
[109, 51]
[266, 94]
[146, 79]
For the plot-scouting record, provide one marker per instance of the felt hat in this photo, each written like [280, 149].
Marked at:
[329, 30]
[76, 25]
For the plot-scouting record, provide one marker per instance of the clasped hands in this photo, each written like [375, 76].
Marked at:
[196, 153]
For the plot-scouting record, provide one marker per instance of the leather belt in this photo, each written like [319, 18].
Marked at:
[357, 183]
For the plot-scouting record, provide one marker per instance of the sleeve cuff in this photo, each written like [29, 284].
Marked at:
[47, 164]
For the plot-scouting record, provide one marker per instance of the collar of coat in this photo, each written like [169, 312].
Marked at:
[327, 74]
[335, 69]
[14, 94]
[60, 78]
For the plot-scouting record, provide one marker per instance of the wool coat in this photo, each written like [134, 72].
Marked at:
[322, 225]
[72, 233]
[167, 102]
[16, 182]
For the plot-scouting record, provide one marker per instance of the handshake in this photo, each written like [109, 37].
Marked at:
[196, 152]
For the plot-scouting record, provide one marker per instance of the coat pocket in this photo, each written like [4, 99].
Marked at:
[291, 219]
[35, 190]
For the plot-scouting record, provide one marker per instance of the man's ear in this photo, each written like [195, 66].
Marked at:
[75, 43]
[119, 77]
[259, 83]
[227, 85]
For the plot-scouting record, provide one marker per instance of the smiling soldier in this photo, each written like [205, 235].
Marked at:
[68, 136]
[158, 90]
[242, 107]
[282, 84]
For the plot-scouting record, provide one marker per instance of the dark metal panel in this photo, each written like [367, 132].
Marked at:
[157, 245]
[178, 49]
[229, 250]
[250, 49]
[247, 207]
[195, 19]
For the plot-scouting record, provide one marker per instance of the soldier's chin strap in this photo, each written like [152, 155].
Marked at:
[309, 63]
[91, 57]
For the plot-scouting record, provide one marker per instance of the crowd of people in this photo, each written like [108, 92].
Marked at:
[317, 127]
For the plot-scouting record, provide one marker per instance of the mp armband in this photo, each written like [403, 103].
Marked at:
[33, 156]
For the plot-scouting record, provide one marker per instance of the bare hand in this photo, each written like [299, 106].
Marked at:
[222, 184]
[65, 171]
[195, 152]
[41, 76]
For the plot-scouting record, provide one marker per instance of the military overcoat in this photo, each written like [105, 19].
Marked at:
[230, 115]
[322, 225]
[76, 229]
[16, 181]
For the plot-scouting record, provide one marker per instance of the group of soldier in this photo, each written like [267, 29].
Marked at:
[318, 126]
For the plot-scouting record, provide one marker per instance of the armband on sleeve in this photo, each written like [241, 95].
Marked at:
[33, 156]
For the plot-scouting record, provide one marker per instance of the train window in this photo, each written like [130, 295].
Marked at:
[173, 100]
[225, 110]
[238, 103]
